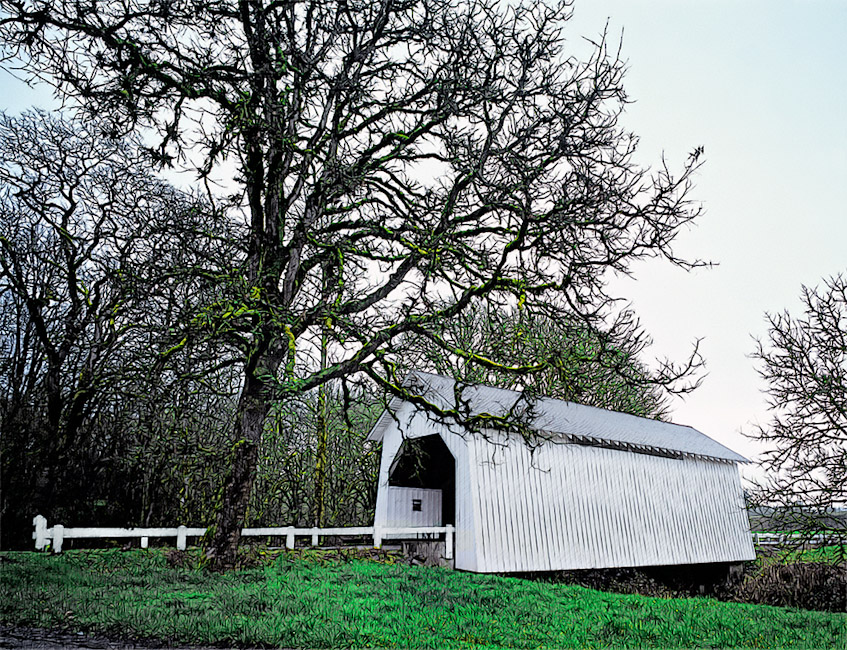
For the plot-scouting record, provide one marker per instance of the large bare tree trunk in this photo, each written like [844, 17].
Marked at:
[253, 408]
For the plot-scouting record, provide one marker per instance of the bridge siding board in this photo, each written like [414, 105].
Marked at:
[625, 510]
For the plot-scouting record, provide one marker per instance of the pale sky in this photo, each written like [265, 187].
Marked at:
[762, 85]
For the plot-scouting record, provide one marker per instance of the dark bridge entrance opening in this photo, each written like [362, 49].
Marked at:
[427, 463]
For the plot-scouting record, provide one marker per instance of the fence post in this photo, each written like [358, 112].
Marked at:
[448, 543]
[58, 537]
[377, 537]
[40, 534]
[289, 539]
[180, 538]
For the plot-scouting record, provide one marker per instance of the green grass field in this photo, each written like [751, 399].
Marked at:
[832, 554]
[295, 602]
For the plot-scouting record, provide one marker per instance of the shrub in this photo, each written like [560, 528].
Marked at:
[807, 585]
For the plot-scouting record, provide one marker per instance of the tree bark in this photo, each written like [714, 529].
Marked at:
[253, 408]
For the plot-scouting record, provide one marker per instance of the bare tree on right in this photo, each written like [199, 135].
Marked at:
[804, 362]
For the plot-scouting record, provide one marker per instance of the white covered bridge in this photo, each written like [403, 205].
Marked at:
[597, 489]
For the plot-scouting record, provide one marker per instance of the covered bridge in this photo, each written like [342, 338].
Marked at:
[597, 488]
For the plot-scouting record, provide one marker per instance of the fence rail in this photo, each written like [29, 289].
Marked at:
[787, 539]
[56, 534]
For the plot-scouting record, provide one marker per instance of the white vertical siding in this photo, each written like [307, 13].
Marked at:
[390, 446]
[468, 516]
[399, 507]
[571, 507]
[415, 424]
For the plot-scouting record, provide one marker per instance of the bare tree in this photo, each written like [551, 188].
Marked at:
[398, 160]
[563, 357]
[93, 257]
[804, 363]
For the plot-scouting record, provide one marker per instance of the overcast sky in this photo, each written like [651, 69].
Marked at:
[762, 85]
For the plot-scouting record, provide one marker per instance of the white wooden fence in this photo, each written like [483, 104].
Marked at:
[787, 539]
[56, 534]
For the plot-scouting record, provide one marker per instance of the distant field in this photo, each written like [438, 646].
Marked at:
[830, 554]
[318, 603]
